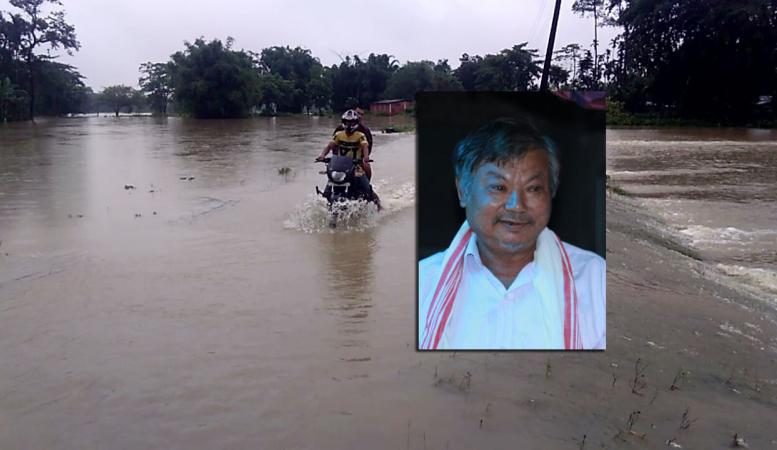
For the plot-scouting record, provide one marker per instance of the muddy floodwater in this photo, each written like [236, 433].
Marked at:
[155, 271]
[172, 283]
[717, 188]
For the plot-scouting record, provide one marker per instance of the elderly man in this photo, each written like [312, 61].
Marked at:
[507, 281]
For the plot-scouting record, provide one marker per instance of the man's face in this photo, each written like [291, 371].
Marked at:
[508, 206]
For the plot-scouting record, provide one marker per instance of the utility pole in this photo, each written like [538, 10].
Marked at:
[549, 53]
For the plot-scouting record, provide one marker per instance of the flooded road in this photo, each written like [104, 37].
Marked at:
[214, 277]
[209, 305]
[716, 187]
[107, 171]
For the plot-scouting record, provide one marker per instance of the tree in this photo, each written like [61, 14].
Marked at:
[586, 79]
[466, 73]
[596, 9]
[411, 78]
[345, 84]
[304, 73]
[419, 76]
[213, 81]
[117, 97]
[61, 89]
[557, 77]
[11, 27]
[567, 54]
[374, 75]
[138, 101]
[319, 92]
[7, 94]
[10, 98]
[35, 30]
[275, 92]
[512, 69]
[358, 83]
[157, 84]
[708, 59]
[442, 67]
[56, 88]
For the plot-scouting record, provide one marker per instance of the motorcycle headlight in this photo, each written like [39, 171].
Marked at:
[338, 176]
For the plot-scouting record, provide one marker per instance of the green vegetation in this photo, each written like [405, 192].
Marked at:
[619, 190]
[117, 97]
[696, 62]
[156, 84]
[356, 82]
[210, 80]
[10, 99]
[292, 81]
[421, 76]
[615, 189]
[515, 69]
[596, 10]
[704, 60]
[617, 116]
[23, 34]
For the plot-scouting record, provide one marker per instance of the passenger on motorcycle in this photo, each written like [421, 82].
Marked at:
[360, 127]
[352, 143]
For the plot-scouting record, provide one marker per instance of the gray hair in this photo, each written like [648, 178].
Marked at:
[499, 142]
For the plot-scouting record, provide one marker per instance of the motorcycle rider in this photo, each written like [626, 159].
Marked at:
[353, 143]
[360, 127]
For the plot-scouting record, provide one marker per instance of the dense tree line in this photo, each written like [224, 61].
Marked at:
[29, 77]
[711, 60]
[714, 60]
[210, 79]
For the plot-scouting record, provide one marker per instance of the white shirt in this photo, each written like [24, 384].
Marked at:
[485, 315]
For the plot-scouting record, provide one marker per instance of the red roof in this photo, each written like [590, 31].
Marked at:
[396, 100]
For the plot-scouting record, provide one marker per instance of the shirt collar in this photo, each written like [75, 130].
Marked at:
[472, 259]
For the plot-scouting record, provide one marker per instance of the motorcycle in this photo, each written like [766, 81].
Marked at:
[341, 185]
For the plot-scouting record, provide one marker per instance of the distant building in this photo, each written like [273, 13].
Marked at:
[390, 107]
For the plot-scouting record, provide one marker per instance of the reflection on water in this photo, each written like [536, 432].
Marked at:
[147, 266]
[156, 274]
[347, 279]
[717, 187]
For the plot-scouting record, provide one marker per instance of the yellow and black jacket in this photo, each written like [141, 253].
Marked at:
[350, 145]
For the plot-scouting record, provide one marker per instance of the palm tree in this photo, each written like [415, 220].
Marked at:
[596, 9]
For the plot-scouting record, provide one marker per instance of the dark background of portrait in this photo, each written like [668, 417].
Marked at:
[444, 118]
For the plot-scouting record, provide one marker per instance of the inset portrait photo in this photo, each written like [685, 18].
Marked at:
[511, 221]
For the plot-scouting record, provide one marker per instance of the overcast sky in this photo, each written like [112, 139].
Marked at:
[118, 35]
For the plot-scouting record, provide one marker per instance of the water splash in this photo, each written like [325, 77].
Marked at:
[763, 281]
[313, 215]
[395, 198]
[700, 234]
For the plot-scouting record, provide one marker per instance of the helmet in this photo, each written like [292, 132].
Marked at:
[350, 115]
[350, 120]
